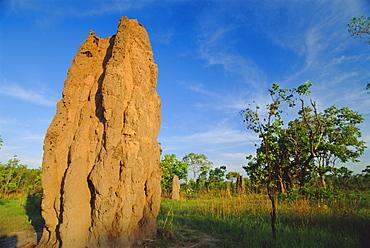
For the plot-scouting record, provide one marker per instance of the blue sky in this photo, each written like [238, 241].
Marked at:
[214, 58]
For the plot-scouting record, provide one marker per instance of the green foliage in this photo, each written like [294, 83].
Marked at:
[197, 163]
[266, 166]
[366, 170]
[171, 167]
[359, 27]
[290, 196]
[232, 176]
[16, 177]
[315, 142]
[309, 147]
[216, 177]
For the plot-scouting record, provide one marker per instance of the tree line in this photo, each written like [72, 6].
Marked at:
[18, 178]
[290, 155]
[209, 180]
[308, 147]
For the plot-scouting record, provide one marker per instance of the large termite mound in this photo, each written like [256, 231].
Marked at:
[101, 173]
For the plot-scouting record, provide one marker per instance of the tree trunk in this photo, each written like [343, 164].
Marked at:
[282, 188]
[9, 178]
[322, 180]
[272, 195]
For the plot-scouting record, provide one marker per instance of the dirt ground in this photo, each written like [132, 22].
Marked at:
[194, 238]
[24, 238]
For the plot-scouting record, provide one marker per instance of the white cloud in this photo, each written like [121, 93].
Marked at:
[230, 101]
[216, 44]
[237, 155]
[235, 64]
[215, 139]
[33, 137]
[16, 91]
[217, 136]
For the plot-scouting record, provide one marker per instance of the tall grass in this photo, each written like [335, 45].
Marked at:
[237, 221]
[244, 221]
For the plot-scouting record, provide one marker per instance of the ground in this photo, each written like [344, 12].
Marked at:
[21, 238]
[185, 238]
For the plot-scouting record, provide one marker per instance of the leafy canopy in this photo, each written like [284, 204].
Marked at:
[359, 27]
[171, 167]
[197, 163]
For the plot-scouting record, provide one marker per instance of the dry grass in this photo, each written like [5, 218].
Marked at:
[244, 221]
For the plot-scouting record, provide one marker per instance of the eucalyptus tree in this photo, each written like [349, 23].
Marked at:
[171, 167]
[312, 143]
[197, 163]
[216, 176]
[341, 140]
[232, 176]
[17, 177]
[359, 27]
[270, 126]
[319, 141]
[8, 173]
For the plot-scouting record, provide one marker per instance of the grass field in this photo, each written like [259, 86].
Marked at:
[20, 213]
[244, 221]
[13, 216]
[238, 221]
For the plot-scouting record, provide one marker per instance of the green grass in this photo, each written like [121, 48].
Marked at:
[239, 221]
[245, 222]
[20, 213]
[13, 216]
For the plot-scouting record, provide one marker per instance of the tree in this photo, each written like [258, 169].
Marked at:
[171, 167]
[8, 175]
[359, 27]
[197, 163]
[269, 128]
[232, 176]
[341, 140]
[313, 144]
[366, 171]
[216, 176]
[316, 142]
[17, 177]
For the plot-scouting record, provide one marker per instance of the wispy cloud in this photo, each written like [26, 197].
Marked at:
[217, 136]
[231, 101]
[15, 91]
[78, 8]
[233, 63]
[237, 155]
[217, 47]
